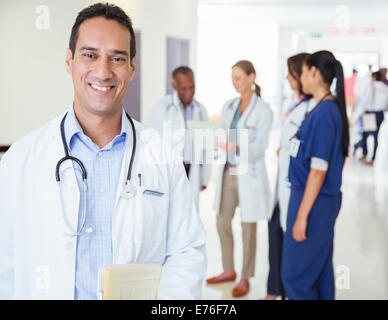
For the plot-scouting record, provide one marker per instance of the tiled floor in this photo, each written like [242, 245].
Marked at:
[360, 245]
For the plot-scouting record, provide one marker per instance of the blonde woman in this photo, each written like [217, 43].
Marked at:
[247, 189]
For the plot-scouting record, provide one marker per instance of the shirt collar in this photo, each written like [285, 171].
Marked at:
[73, 128]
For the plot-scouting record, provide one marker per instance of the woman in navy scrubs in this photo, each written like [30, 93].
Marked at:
[317, 154]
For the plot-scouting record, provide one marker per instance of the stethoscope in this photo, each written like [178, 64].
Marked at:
[172, 104]
[250, 110]
[129, 190]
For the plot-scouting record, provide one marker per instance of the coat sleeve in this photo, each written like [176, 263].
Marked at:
[6, 230]
[257, 146]
[185, 263]
[205, 167]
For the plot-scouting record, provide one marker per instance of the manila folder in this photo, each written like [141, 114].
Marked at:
[130, 282]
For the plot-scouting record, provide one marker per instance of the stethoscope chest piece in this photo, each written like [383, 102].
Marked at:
[129, 190]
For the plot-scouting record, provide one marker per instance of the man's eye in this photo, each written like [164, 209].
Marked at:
[89, 55]
[118, 59]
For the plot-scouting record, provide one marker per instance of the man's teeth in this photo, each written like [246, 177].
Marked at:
[100, 88]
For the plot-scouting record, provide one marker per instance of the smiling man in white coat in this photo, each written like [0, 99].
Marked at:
[115, 198]
[170, 116]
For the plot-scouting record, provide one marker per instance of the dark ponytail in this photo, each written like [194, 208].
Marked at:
[331, 68]
[340, 97]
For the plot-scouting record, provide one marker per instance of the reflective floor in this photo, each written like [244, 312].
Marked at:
[360, 245]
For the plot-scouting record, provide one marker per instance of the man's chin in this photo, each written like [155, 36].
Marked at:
[103, 109]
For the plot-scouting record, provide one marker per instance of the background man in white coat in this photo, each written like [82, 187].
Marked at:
[41, 256]
[172, 113]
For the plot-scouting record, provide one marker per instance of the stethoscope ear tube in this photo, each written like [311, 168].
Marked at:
[84, 174]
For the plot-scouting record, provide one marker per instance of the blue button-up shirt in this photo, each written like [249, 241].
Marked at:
[103, 166]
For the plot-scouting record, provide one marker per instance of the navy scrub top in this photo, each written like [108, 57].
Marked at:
[320, 136]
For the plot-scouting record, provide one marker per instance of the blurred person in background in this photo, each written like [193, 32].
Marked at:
[277, 222]
[350, 96]
[371, 109]
[384, 79]
[318, 152]
[238, 185]
[175, 110]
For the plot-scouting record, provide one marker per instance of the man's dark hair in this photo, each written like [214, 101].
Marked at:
[377, 75]
[107, 11]
[183, 70]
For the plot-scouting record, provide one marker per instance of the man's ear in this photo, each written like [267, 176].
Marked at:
[173, 83]
[132, 68]
[69, 60]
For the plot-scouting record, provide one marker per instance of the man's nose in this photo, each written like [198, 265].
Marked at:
[103, 69]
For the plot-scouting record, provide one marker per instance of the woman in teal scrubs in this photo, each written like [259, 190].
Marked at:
[317, 153]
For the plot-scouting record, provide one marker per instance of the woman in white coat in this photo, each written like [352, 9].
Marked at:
[243, 181]
[277, 221]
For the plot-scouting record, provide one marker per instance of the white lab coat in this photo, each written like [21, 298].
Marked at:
[167, 111]
[282, 189]
[375, 99]
[37, 256]
[253, 189]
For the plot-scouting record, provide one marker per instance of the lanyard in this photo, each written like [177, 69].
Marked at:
[307, 114]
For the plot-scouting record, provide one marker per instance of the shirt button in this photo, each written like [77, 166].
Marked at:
[102, 190]
[68, 245]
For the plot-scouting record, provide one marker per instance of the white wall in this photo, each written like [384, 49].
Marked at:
[34, 85]
[251, 30]
[221, 43]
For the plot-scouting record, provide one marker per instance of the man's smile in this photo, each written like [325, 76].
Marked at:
[101, 89]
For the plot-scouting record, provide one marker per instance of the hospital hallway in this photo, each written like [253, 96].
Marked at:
[360, 243]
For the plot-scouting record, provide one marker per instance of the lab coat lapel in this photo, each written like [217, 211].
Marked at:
[232, 110]
[245, 116]
[125, 163]
[179, 120]
[68, 186]
[197, 111]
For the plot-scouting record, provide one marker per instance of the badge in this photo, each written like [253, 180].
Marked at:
[293, 147]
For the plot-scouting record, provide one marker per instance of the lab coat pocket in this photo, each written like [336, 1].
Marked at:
[252, 134]
[153, 213]
[142, 222]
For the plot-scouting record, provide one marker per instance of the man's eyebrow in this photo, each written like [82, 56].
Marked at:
[122, 52]
[88, 48]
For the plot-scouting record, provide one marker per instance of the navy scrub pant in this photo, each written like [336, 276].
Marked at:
[275, 235]
[307, 269]
[365, 135]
